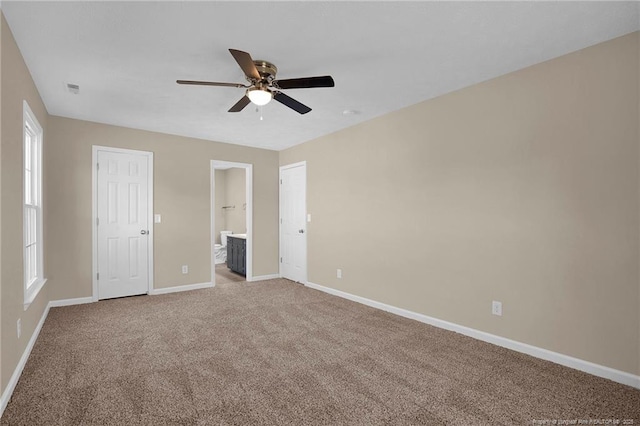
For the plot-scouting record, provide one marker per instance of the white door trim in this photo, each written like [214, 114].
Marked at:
[306, 261]
[94, 212]
[248, 216]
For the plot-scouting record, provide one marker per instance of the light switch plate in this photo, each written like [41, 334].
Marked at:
[309, 217]
[157, 218]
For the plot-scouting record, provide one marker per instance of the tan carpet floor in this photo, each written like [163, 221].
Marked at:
[225, 275]
[275, 352]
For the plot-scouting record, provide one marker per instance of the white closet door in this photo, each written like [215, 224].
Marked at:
[293, 229]
[123, 228]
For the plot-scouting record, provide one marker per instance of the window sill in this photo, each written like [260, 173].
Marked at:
[32, 292]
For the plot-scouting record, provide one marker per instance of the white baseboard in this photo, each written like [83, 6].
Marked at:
[70, 302]
[13, 381]
[178, 288]
[568, 361]
[265, 277]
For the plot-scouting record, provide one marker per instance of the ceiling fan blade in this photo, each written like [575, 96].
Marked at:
[304, 83]
[291, 103]
[239, 106]
[210, 83]
[246, 63]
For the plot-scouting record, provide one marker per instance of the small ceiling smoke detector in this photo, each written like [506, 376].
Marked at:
[350, 112]
[73, 88]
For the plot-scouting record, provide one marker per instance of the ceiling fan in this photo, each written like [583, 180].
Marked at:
[263, 84]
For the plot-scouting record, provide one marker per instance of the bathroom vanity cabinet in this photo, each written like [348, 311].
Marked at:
[236, 254]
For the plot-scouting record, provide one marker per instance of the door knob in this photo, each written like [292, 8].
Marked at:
[143, 232]
[300, 231]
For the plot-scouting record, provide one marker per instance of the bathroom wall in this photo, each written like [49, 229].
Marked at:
[220, 200]
[235, 190]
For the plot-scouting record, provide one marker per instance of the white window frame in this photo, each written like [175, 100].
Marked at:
[32, 285]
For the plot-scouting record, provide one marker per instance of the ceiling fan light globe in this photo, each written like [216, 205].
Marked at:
[259, 96]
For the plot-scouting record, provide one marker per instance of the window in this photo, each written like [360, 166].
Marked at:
[33, 261]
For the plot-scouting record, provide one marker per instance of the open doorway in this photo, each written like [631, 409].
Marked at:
[231, 222]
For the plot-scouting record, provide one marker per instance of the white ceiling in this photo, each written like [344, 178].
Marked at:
[383, 56]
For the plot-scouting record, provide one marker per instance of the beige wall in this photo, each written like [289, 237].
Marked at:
[221, 197]
[1, 38]
[181, 196]
[235, 191]
[17, 86]
[522, 189]
[230, 191]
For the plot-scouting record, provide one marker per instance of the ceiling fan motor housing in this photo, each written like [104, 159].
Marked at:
[266, 70]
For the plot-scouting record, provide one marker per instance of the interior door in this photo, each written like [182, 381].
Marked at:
[293, 229]
[122, 224]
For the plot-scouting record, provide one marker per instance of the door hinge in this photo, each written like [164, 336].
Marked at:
[98, 276]
[97, 221]
[97, 166]
[280, 181]
[280, 260]
[280, 220]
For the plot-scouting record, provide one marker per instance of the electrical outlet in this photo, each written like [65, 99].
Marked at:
[19, 327]
[339, 273]
[185, 269]
[496, 308]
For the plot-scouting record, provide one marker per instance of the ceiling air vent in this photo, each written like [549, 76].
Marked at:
[73, 88]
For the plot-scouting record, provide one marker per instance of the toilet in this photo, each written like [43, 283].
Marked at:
[220, 250]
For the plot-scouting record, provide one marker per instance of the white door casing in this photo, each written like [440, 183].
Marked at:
[122, 228]
[293, 223]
